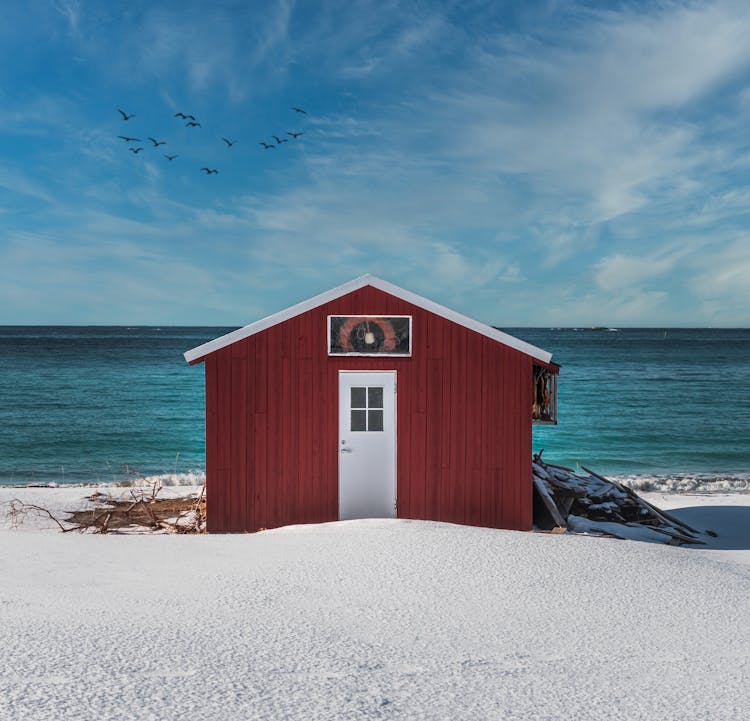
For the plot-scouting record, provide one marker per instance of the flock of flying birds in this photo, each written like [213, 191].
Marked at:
[193, 123]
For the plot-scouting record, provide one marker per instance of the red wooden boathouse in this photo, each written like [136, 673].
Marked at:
[371, 401]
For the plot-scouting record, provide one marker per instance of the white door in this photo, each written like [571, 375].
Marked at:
[367, 444]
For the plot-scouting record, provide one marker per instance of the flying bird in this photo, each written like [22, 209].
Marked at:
[295, 135]
[125, 116]
[279, 140]
[229, 143]
[210, 170]
[129, 140]
[170, 158]
[267, 146]
[184, 117]
[135, 150]
[299, 110]
[156, 142]
[193, 124]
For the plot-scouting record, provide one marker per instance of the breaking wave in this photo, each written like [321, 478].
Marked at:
[700, 483]
[695, 483]
[188, 478]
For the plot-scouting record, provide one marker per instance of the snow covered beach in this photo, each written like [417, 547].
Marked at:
[375, 619]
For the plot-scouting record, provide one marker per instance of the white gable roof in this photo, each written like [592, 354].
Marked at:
[356, 284]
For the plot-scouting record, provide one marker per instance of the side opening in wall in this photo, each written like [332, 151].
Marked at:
[544, 404]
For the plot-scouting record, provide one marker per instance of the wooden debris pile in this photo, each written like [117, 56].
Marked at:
[141, 510]
[591, 503]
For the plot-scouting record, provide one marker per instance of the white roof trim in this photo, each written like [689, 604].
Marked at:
[356, 284]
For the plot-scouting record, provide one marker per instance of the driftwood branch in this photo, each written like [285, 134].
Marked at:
[18, 510]
[144, 510]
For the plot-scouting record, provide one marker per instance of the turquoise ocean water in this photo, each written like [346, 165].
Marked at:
[662, 408]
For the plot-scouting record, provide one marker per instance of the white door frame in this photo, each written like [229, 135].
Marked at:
[359, 497]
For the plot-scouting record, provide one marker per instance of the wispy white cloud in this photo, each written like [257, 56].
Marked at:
[227, 52]
[102, 275]
[621, 271]
[722, 277]
[594, 114]
[18, 183]
[395, 51]
[70, 10]
[274, 45]
[39, 114]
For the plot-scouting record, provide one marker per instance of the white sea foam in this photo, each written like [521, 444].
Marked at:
[186, 478]
[658, 483]
[704, 483]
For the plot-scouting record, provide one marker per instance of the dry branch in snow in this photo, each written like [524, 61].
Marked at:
[142, 509]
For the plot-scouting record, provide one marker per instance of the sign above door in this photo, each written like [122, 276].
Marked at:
[366, 335]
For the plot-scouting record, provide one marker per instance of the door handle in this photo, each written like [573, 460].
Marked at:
[346, 450]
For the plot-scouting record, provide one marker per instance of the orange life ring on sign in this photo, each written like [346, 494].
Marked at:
[353, 324]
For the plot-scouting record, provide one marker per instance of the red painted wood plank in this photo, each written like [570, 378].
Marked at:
[260, 515]
[417, 479]
[486, 491]
[505, 444]
[305, 425]
[473, 429]
[277, 394]
[330, 450]
[525, 486]
[418, 364]
[495, 449]
[512, 513]
[251, 387]
[433, 438]
[328, 413]
[298, 450]
[437, 450]
[458, 423]
[212, 450]
[223, 360]
[259, 372]
[522, 422]
[446, 411]
[237, 437]
[404, 460]
[516, 439]
[286, 473]
[319, 437]
[305, 385]
[414, 374]
[260, 421]
[291, 425]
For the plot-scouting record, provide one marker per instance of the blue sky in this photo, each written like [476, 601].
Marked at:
[524, 163]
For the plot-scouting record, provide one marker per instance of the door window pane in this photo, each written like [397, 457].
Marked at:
[375, 420]
[375, 397]
[359, 421]
[359, 398]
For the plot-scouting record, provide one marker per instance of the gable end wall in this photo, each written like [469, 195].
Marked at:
[463, 423]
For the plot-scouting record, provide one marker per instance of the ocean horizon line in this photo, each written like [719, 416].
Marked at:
[576, 327]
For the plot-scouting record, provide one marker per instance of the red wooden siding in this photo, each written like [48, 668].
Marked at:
[463, 423]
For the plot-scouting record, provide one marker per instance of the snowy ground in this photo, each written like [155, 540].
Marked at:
[375, 619]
